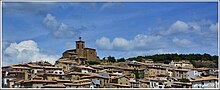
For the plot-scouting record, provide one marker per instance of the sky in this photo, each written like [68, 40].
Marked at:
[44, 30]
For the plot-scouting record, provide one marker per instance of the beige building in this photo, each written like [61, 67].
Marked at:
[121, 82]
[104, 81]
[81, 51]
[180, 73]
[77, 56]
[152, 71]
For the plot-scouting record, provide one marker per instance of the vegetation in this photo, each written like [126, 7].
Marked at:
[162, 57]
[111, 59]
[121, 60]
[90, 62]
[136, 73]
[198, 60]
[184, 80]
[138, 58]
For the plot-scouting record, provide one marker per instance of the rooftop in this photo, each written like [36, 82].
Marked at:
[54, 85]
[204, 78]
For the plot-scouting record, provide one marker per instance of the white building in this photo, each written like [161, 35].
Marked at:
[182, 64]
[84, 69]
[205, 82]
[157, 82]
[193, 74]
[58, 72]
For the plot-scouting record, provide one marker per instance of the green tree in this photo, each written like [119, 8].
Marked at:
[184, 80]
[111, 59]
[136, 73]
[90, 62]
[121, 60]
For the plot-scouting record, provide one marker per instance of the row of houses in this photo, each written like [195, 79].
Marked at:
[72, 71]
[132, 74]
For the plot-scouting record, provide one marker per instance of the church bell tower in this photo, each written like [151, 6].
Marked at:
[80, 45]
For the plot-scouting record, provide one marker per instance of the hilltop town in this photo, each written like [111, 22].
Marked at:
[82, 68]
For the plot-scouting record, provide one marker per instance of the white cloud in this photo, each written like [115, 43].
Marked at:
[148, 42]
[60, 29]
[214, 28]
[177, 27]
[104, 43]
[26, 51]
[184, 42]
[5, 44]
[140, 42]
[121, 43]
[204, 27]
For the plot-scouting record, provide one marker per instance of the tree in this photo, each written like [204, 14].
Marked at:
[93, 62]
[184, 80]
[111, 59]
[136, 73]
[121, 60]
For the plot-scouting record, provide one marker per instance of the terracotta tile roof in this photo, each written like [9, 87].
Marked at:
[54, 85]
[183, 70]
[132, 69]
[82, 58]
[66, 61]
[55, 74]
[60, 80]
[51, 67]
[16, 72]
[17, 67]
[82, 80]
[95, 76]
[72, 53]
[200, 69]
[115, 70]
[79, 73]
[84, 67]
[78, 84]
[35, 66]
[171, 83]
[204, 78]
[122, 85]
[154, 79]
[19, 81]
[89, 48]
[42, 81]
[182, 83]
[15, 79]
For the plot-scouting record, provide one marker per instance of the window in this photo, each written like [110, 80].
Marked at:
[77, 46]
[202, 83]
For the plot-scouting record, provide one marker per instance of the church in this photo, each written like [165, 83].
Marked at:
[77, 56]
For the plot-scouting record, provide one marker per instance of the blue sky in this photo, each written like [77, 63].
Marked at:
[43, 31]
